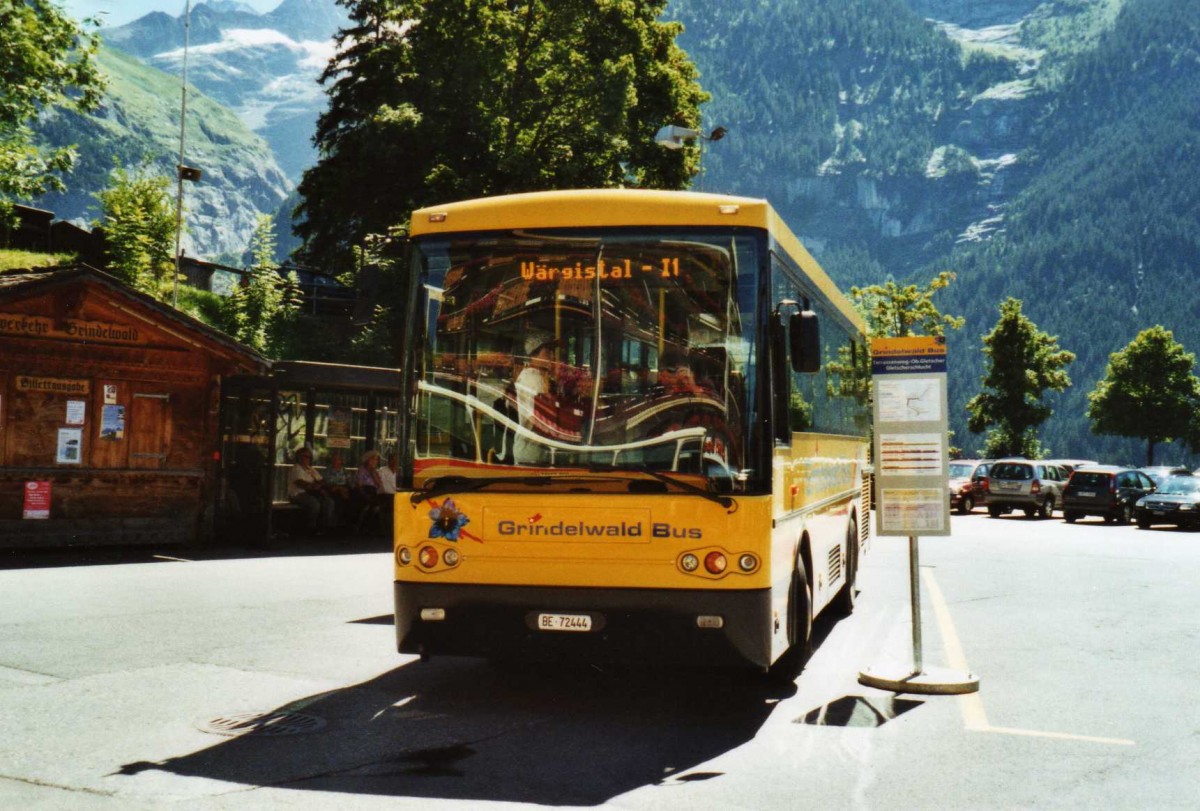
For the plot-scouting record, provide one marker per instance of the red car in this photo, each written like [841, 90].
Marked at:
[966, 484]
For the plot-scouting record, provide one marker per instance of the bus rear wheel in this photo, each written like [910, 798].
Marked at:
[846, 598]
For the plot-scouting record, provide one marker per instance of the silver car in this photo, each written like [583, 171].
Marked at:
[1022, 484]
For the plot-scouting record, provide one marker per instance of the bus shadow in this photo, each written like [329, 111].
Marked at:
[464, 729]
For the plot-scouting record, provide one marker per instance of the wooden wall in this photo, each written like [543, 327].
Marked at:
[91, 357]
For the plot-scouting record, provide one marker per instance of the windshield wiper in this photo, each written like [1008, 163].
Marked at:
[725, 501]
[445, 485]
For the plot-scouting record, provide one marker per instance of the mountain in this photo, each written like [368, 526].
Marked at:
[1044, 151]
[262, 66]
[139, 118]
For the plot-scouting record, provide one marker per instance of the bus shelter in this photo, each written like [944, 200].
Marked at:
[332, 408]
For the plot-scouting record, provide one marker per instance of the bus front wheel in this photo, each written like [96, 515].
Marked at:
[788, 666]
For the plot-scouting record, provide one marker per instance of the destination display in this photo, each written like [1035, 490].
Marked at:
[591, 268]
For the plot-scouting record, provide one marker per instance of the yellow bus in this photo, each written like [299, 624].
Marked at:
[636, 430]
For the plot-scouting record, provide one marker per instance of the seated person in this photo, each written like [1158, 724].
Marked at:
[338, 485]
[370, 489]
[307, 489]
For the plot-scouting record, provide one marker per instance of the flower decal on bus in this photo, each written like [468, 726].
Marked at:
[447, 521]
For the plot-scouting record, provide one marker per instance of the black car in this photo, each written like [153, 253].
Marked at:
[1160, 473]
[1104, 490]
[1176, 502]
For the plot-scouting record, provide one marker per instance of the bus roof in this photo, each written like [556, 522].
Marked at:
[600, 208]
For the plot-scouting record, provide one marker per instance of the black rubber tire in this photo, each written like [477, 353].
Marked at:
[1047, 508]
[1070, 517]
[788, 666]
[843, 602]
[966, 505]
[995, 512]
[1143, 523]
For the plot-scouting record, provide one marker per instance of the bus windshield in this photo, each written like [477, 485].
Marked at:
[608, 351]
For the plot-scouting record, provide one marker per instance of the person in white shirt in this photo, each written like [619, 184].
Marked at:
[533, 380]
[307, 489]
[387, 475]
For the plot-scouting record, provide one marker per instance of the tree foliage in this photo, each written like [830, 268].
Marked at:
[1024, 363]
[1149, 391]
[138, 219]
[892, 311]
[435, 101]
[263, 306]
[47, 59]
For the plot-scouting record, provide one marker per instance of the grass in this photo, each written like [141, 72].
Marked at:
[10, 259]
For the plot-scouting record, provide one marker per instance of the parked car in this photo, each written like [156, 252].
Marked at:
[1071, 464]
[1022, 484]
[1105, 490]
[966, 484]
[1160, 473]
[1176, 502]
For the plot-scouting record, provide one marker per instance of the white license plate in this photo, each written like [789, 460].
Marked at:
[1010, 486]
[1158, 512]
[1086, 495]
[564, 622]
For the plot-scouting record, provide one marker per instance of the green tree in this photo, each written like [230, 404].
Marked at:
[47, 59]
[263, 307]
[1149, 391]
[1023, 363]
[892, 311]
[435, 101]
[138, 219]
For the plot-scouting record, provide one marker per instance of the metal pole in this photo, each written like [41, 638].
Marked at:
[187, 22]
[915, 588]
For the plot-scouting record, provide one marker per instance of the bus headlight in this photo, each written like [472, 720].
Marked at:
[404, 556]
[428, 557]
[747, 562]
[689, 562]
[715, 562]
[450, 557]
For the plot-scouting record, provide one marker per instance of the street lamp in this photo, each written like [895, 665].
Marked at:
[675, 137]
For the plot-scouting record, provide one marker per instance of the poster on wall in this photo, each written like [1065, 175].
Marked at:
[110, 394]
[37, 500]
[337, 430]
[112, 422]
[70, 446]
[76, 412]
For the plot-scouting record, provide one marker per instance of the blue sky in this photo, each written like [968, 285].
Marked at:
[119, 12]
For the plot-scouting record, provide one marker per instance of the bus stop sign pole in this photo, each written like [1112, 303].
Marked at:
[911, 454]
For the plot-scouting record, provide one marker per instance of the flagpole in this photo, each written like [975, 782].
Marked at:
[187, 22]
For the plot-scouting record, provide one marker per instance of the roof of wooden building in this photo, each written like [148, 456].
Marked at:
[25, 283]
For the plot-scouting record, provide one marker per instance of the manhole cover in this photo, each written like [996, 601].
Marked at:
[262, 723]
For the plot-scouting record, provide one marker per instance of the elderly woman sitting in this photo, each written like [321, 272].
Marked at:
[370, 489]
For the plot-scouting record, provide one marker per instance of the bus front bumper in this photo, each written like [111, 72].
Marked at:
[690, 627]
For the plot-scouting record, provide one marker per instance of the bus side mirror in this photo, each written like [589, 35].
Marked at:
[804, 335]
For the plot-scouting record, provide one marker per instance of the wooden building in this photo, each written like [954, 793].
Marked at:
[109, 412]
